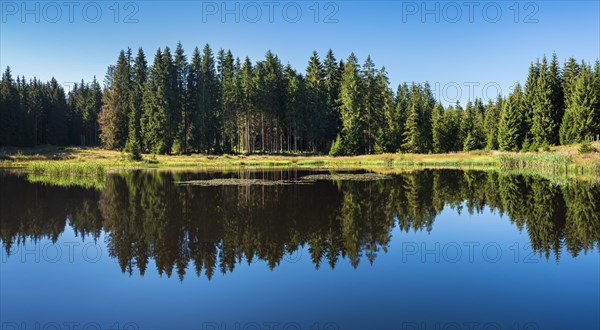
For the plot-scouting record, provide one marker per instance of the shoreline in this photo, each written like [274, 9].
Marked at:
[565, 159]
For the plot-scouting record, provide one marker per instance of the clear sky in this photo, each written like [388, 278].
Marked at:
[450, 44]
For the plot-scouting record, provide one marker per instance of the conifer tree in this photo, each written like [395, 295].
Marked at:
[294, 101]
[439, 129]
[9, 109]
[316, 101]
[114, 116]
[56, 126]
[397, 120]
[349, 140]
[582, 117]
[183, 118]
[193, 101]
[511, 129]
[384, 112]
[139, 73]
[154, 122]
[491, 122]
[167, 91]
[369, 102]
[208, 119]
[331, 80]
[571, 72]
[472, 126]
[413, 139]
[556, 97]
[248, 103]
[428, 102]
[542, 119]
[452, 121]
[528, 100]
[227, 100]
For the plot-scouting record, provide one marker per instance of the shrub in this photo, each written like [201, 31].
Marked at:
[586, 148]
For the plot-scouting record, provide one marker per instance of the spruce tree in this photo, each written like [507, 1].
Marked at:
[56, 121]
[248, 102]
[472, 126]
[582, 117]
[183, 121]
[571, 72]
[114, 116]
[140, 72]
[369, 103]
[428, 102]
[155, 119]
[331, 81]
[556, 97]
[491, 122]
[412, 136]
[384, 112]
[439, 129]
[528, 100]
[397, 120]
[511, 129]
[9, 109]
[452, 117]
[193, 102]
[316, 101]
[542, 127]
[294, 101]
[227, 100]
[167, 91]
[349, 140]
[208, 121]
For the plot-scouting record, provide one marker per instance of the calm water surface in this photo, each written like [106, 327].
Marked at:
[421, 250]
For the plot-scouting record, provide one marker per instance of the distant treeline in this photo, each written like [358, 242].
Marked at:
[224, 105]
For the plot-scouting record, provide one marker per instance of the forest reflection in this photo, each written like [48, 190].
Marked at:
[147, 216]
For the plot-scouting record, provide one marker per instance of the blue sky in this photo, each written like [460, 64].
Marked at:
[454, 45]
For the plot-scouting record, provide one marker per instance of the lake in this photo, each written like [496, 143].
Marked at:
[300, 249]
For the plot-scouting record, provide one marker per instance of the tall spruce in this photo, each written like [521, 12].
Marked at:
[528, 100]
[348, 141]
[134, 143]
[543, 126]
[331, 79]
[397, 119]
[493, 112]
[413, 133]
[571, 71]
[193, 102]
[384, 109]
[316, 102]
[114, 116]
[369, 100]
[511, 129]
[183, 118]
[582, 116]
[439, 129]
[248, 104]
[154, 122]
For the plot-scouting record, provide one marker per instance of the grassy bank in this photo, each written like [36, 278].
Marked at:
[94, 161]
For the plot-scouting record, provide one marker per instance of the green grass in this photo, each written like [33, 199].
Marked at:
[63, 168]
[553, 162]
[95, 182]
[73, 161]
[67, 173]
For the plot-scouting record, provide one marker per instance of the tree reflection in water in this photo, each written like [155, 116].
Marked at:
[146, 215]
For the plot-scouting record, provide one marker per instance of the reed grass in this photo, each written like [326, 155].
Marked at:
[62, 168]
[89, 182]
